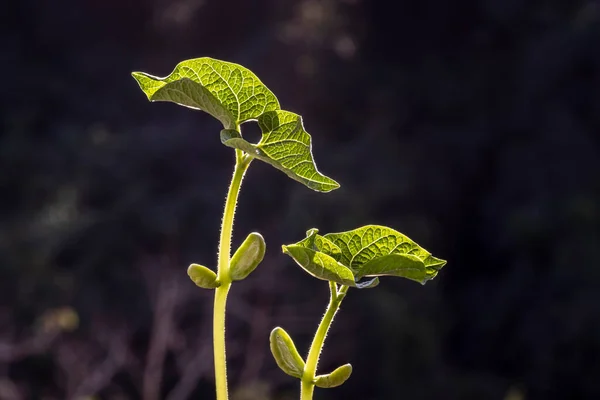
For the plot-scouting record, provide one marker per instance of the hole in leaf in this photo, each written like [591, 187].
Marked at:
[251, 132]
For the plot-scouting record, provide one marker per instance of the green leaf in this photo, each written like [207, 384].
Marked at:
[320, 265]
[317, 242]
[285, 353]
[247, 256]
[370, 251]
[368, 243]
[335, 378]
[227, 91]
[401, 265]
[286, 146]
[203, 277]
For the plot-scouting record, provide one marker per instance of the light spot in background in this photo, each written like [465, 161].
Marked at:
[320, 25]
[99, 134]
[313, 12]
[173, 14]
[64, 319]
[514, 394]
[345, 47]
[306, 65]
[59, 213]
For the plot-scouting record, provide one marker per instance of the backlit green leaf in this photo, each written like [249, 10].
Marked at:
[402, 265]
[317, 242]
[286, 146]
[285, 353]
[369, 243]
[229, 92]
[320, 265]
[370, 251]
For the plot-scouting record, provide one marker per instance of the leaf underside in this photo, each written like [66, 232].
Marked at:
[320, 265]
[369, 251]
[286, 146]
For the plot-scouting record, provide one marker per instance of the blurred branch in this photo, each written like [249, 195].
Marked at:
[85, 374]
[11, 352]
[256, 348]
[9, 391]
[118, 356]
[194, 367]
[166, 299]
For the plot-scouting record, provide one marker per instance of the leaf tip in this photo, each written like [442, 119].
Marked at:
[312, 231]
[143, 81]
[434, 265]
[334, 185]
[139, 77]
[327, 187]
[276, 331]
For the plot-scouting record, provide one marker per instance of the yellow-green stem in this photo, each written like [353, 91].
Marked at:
[310, 369]
[219, 341]
[241, 165]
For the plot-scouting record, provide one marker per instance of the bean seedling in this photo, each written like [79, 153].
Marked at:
[353, 259]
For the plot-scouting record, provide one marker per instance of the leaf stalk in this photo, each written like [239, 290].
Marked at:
[308, 378]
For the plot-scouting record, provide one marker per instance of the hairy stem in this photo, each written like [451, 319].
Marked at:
[241, 165]
[310, 369]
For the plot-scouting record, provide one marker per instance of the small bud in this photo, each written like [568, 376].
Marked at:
[203, 277]
[63, 319]
[334, 379]
[247, 257]
[368, 284]
[228, 134]
[285, 353]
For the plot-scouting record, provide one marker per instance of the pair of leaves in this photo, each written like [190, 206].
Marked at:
[369, 251]
[289, 361]
[245, 260]
[234, 95]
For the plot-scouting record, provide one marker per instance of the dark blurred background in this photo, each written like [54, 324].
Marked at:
[471, 126]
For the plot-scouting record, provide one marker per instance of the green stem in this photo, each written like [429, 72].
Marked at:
[310, 369]
[241, 165]
[219, 341]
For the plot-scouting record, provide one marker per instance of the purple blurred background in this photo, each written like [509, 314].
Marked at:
[471, 126]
